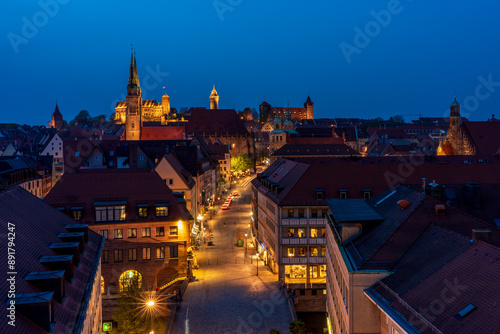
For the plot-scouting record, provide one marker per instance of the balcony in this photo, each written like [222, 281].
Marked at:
[303, 221]
[294, 241]
[303, 260]
[317, 241]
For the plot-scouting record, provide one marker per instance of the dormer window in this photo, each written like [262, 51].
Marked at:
[343, 193]
[367, 193]
[319, 195]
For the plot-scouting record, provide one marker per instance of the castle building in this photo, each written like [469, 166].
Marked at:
[268, 113]
[57, 119]
[214, 99]
[149, 110]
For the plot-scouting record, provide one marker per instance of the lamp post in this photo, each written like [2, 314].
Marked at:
[150, 305]
[246, 241]
[257, 258]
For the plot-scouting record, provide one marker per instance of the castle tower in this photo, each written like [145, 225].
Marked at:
[165, 104]
[214, 99]
[134, 103]
[288, 124]
[57, 119]
[309, 105]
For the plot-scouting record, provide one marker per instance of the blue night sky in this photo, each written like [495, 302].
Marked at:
[412, 63]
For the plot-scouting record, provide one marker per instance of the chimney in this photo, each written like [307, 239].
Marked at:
[439, 209]
[423, 185]
[482, 234]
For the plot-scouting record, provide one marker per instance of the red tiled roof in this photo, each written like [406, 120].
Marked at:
[212, 121]
[163, 133]
[315, 150]
[446, 271]
[131, 185]
[485, 136]
[37, 225]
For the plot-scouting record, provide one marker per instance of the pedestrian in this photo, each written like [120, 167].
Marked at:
[179, 295]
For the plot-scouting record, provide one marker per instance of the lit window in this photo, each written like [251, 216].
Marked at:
[118, 255]
[118, 233]
[132, 254]
[132, 233]
[142, 211]
[146, 232]
[146, 253]
[77, 214]
[161, 211]
[174, 231]
[291, 251]
[160, 252]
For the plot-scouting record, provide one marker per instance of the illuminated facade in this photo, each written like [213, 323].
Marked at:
[214, 99]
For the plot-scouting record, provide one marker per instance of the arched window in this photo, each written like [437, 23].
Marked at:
[130, 277]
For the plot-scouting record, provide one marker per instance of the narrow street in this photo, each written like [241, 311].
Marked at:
[227, 296]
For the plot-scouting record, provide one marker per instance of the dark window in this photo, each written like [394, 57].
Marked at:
[160, 231]
[105, 256]
[160, 252]
[146, 253]
[171, 181]
[161, 211]
[314, 292]
[110, 213]
[143, 212]
[290, 213]
[319, 195]
[301, 213]
[146, 232]
[104, 233]
[118, 233]
[174, 252]
[132, 233]
[343, 194]
[118, 255]
[174, 231]
[302, 292]
[132, 254]
[314, 213]
[366, 194]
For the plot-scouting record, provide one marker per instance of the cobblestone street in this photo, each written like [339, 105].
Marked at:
[227, 296]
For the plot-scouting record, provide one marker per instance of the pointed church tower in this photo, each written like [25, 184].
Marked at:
[309, 105]
[57, 119]
[134, 103]
[214, 99]
[454, 115]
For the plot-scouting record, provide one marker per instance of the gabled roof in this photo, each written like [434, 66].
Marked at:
[446, 268]
[315, 150]
[163, 133]
[37, 225]
[485, 136]
[130, 185]
[177, 166]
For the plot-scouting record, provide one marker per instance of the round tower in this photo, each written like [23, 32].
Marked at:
[214, 99]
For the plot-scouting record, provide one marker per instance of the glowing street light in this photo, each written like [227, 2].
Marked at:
[150, 303]
[246, 241]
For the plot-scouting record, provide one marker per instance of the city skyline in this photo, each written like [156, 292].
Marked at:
[366, 60]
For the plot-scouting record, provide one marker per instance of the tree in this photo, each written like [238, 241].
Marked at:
[297, 327]
[241, 163]
[83, 117]
[132, 314]
[255, 114]
[274, 331]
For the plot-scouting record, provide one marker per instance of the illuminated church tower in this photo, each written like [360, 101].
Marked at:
[134, 103]
[214, 99]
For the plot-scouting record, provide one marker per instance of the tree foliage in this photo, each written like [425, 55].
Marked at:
[241, 163]
[297, 327]
[132, 314]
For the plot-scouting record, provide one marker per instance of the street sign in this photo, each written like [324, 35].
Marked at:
[107, 326]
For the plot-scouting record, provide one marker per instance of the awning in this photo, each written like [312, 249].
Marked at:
[142, 205]
[110, 203]
[162, 204]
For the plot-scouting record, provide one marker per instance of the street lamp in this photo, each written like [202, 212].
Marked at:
[150, 303]
[257, 258]
[246, 241]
